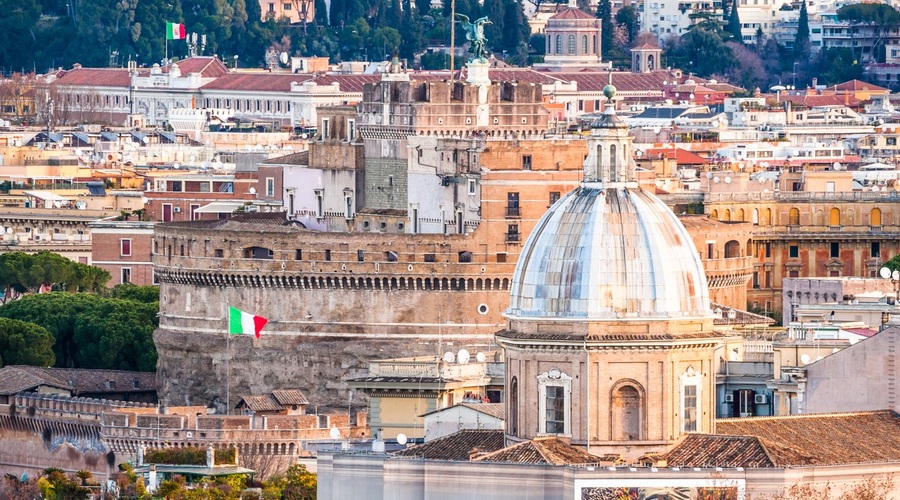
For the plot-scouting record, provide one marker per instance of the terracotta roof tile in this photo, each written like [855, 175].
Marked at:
[16, 379]
[261, 82]
[300, 158]
[348, 83]
[497, 410]
[79, 381]
[572, 13]
[96, 77]
[290, 397]
[681, 156]
[208, 67]
[551, 450]
[457, 446]
[857, 85]
[704, 450]
[825, 439]
[260, 403]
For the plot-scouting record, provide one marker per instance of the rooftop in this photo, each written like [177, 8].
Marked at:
[457, 446]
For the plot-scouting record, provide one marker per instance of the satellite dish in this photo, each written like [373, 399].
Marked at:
[253, 190]
[401, 438]
[837, 165]
[895, 275]
[480, 357]
[805, 359]
[176, 165]
[463, 356]
[9, 230]
[728, 180]
[885, 272]
[449, 357]
[716, 180]
[334, 433]
[283, 58]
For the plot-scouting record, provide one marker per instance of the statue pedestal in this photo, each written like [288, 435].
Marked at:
[478, 72]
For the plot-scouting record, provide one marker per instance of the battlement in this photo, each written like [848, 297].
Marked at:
[64, 407]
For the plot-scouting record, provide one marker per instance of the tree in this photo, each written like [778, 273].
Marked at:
[297, 484]
[604, 13]
[734, 23]
[627, 18]
[24, 343]
[801, 41]
[129, 291]
[894, 263]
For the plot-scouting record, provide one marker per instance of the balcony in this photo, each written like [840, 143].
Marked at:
[512, 212]
[512, 237]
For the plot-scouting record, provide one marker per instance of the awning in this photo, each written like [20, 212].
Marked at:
[44, 195]
[220, 207]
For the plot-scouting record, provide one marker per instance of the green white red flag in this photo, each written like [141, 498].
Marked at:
[244, 323]
[175, 31]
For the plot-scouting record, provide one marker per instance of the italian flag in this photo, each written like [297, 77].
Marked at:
[175, 31]
[243, 323]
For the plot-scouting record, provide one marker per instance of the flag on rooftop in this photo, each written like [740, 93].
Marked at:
[175, 31]
[244, 323]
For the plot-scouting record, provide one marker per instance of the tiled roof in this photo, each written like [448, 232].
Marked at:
[826, 439]
[457, 446]
[579, 337]
[290, 397]
[624, 82]
[208, 67]
[493, 409]
[856, 85]
[79, 381]
[16, 379]
[863, 332]
[348, 83]
[572, 13]
[550, 450]
[821, 100]
[96, 77]
[260, 403]
[262, 82]
[704, 450]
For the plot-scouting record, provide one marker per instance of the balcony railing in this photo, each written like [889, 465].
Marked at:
[512, 237]
[512, 212]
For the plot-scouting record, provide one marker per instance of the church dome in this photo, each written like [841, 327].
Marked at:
[609, 252]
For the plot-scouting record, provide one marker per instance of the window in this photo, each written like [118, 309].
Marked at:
[690, 400]
[465, 256]
[571, 44]
[351, 129]
[834, 218]
[298, 254]
[526, 162]
[584, 44]
[512, 233]
[554, 410]
[125, 247]
[390, 256]
[286, 6]
[559, 44]
[360, 256]
[270, 186]
[472, 187]
[512, 204]
[554, 197]
[325, 130]
[328, 255]
[768, 250]
[126, 275]
[320, 201]
[794, 217]
[835, 250]
[875, 217]
[429, 257]
[501, 257]
[219, 253]
[627, 412]
[876, 249]
[794, 251]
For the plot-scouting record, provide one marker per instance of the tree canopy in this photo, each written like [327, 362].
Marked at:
[91, 331]
[22, 273]
[24, 343]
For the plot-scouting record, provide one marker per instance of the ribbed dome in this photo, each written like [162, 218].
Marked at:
[603, 253]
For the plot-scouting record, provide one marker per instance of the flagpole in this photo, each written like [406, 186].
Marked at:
[228, 374]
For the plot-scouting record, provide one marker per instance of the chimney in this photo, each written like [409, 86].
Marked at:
[814, 82]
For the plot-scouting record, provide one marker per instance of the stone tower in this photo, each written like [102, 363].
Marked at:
[610, 335]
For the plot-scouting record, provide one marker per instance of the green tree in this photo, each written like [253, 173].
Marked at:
[16, 31]
[627, 18]
[411, 32]
[129, 291]
[24, 343]
[734, 23]
[894, 263]
[801, 40]
[604, 13]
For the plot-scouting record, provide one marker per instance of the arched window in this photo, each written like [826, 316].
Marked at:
[875, 217]
[727, 215]
[714, 215]
[768, 217]
[755, 216]
[740, 215]
[594, 45]
[732, 249]
[571, 44]
[613, 164]
[514, 407]
[835, 217]
[794, 217]
[627, 413]
[584, 44]
[559, 44]
[650, 63]
[600, 162]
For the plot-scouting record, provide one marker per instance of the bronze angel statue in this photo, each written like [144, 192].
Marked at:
[475, 34]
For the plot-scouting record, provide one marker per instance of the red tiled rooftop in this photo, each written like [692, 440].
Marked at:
[208, 67]
[681, 156]
[262, 82]
[457, 446]
[859, 85]
[551, 450]
[96, 77]
[572, 13]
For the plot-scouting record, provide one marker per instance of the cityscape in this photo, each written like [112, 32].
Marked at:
[450, 249]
